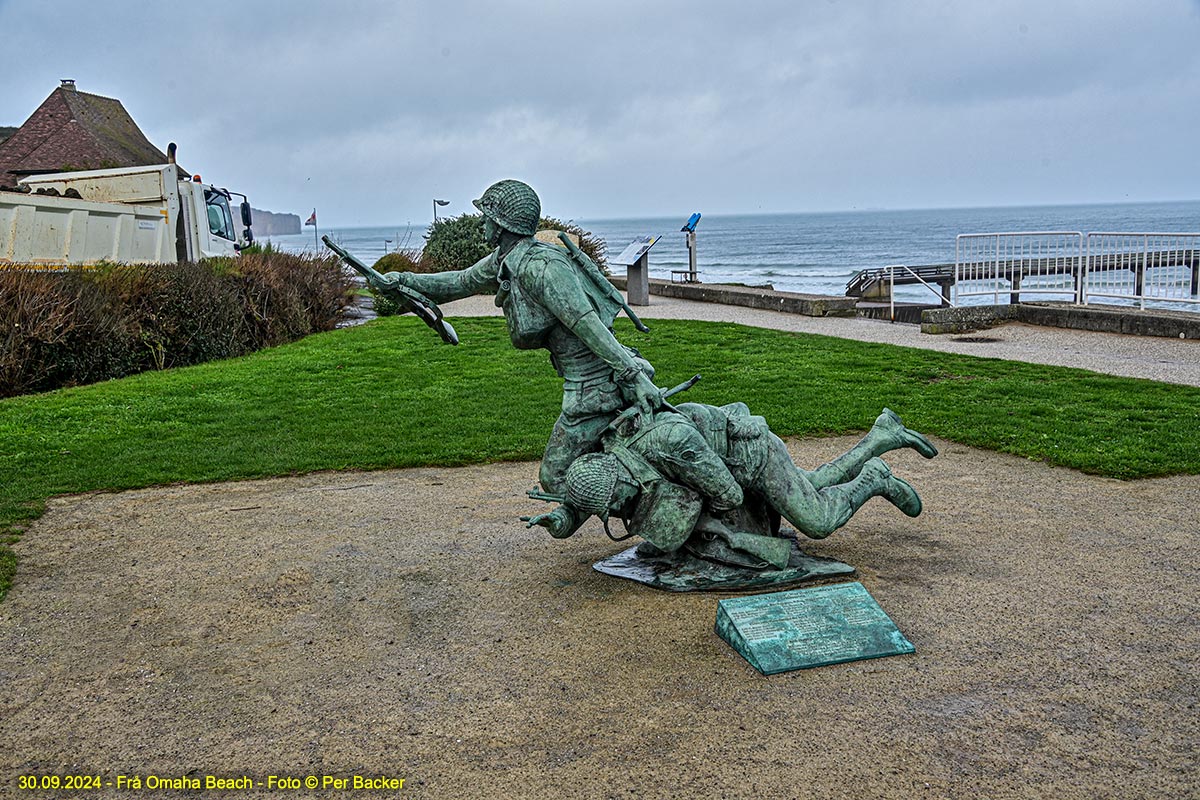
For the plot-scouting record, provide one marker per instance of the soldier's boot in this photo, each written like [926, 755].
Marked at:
[830, 508]
[887, 434]
[875, 479]
[888, 423]
[903, 496]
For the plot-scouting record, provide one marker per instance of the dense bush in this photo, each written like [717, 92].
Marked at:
[285, 297]
[171, 314]
[399, 261]
[260, 247]
[75, 326]
[594, 246]
[457, 242]
[57, 329]
[454, 243]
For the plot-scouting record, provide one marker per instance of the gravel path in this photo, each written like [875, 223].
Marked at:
[1154, 358]
[404, 624]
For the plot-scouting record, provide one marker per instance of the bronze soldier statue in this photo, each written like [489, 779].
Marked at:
[714, 481]
[550, 302]
[717, 479]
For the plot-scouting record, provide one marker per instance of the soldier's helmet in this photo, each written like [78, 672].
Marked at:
[513, 206]
[591, 480]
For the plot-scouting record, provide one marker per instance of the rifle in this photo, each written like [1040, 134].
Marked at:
[409, 299]
[597, 277]
[632, 411]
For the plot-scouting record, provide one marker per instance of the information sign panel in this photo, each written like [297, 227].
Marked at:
[635, 250]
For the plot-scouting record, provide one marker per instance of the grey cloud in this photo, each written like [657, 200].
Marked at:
[368, 109]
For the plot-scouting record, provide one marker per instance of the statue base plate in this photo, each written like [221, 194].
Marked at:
[682, 572]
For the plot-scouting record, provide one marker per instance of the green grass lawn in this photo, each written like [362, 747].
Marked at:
[390, 394]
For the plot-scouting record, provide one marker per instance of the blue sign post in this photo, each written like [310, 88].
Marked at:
[689, 228]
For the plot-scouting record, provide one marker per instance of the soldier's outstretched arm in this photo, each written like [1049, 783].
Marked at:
[442, 287]
[561, 522]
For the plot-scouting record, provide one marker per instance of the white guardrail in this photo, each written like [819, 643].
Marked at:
[1042, 263]
[1130, 268]
[891, 273]
[1141, 267]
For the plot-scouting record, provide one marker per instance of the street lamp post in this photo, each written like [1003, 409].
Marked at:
[437, 203]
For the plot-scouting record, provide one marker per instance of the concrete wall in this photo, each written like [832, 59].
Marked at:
[811, 305]
[1113, 319]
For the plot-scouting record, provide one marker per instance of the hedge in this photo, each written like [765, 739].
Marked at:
[82, 325]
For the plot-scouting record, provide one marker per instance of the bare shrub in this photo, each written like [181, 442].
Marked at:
[179, 314]
[287, 296]
[75, 326]
[57, 329]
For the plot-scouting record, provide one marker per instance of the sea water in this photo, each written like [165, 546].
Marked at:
[814, 253]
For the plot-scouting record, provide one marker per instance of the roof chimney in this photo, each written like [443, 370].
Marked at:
[68, 83]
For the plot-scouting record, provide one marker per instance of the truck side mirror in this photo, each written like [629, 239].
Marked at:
[246, 220]
[248, 236]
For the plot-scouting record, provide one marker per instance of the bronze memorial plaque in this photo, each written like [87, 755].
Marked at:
[807, 628]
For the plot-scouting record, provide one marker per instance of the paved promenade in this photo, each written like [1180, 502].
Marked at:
[1154, 358]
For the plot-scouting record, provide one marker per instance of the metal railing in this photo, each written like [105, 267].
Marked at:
[1141, 267]
[891, 273]
[1043, 263]
[1133, 268]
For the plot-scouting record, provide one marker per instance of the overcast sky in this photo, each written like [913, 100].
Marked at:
[369, 110]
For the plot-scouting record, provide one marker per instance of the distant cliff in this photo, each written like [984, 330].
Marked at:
[268, 223]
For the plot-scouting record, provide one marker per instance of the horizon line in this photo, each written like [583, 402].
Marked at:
[864, 210]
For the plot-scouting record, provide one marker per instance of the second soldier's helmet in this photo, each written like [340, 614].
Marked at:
[513, 205]
[591, 480]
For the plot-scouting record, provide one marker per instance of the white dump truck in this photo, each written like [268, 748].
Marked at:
[155, 214]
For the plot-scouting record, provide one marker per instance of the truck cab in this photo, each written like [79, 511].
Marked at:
[211, 215]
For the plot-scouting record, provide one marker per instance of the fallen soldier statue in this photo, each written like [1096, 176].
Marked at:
[716, 481]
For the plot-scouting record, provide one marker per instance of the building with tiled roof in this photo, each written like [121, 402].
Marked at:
[75, 130]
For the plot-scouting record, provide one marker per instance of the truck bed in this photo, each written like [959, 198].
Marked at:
[58, 231]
